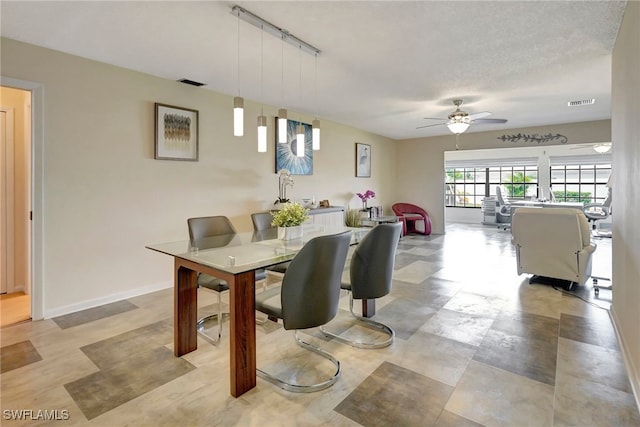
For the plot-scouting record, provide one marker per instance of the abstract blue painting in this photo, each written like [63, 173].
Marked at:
[286, 153]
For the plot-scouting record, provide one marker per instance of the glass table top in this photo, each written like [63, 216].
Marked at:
[241, 252]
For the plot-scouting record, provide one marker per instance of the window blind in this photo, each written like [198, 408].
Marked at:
[488, 163]
[583, 159]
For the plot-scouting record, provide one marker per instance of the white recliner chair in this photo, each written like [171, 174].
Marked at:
[553, 243]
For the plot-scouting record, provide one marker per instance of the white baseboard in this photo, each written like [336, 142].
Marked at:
[632, 370]
[72, 308]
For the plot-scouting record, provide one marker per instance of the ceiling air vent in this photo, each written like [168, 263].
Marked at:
[581, 102]
[191, 82]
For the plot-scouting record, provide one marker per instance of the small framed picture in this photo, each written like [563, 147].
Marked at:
[176, 133]
[363, 160]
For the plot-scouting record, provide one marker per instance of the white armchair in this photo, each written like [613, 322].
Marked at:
[553, 243]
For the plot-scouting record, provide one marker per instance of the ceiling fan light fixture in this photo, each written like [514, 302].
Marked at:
[602, 148]
[457, 127]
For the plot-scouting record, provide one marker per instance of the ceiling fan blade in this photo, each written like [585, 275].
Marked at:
[434, 118]
[428, 126]
[489, 121]
[479, 115]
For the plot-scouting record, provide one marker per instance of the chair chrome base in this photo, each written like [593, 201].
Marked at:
[361, 344]
[202, 321]
[301, 388]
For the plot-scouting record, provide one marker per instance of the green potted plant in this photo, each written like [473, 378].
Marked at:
[353, 218]
[289, 220]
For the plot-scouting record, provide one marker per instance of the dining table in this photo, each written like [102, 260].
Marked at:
[235, 259]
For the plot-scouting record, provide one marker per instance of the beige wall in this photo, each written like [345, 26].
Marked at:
[105, 197]
[19, 102]
[626, 193]
[421, 161]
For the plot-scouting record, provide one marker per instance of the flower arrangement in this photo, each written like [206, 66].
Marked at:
[284, 180]
[364, 197]
[290, 215]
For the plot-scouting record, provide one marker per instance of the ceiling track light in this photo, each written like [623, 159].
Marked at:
[267, 26]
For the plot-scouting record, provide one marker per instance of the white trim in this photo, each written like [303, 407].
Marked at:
[37, 191]
[633, 371]
[72, 308]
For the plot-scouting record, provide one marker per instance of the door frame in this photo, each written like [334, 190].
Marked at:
[37, 190]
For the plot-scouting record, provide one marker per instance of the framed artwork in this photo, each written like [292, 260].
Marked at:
[176, 133]
[363, 160]
[286, 153]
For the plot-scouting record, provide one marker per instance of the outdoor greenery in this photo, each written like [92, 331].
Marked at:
[290, 215]
[516, 184]
[573, 196]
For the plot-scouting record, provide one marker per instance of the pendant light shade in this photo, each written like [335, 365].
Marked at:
[300, 141]
[262, 134]
[315, 134]
[282, 126]
[238, 116]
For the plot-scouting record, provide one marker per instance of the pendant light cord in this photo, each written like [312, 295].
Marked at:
[262, 69]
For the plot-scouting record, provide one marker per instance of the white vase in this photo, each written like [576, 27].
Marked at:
[290, 233]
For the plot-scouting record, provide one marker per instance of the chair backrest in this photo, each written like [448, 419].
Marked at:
[371, 268]
[208, 226]
[607, 200]
[311, 285]
[403, 208]
[261, 221]
[551, 230]
[501, 193]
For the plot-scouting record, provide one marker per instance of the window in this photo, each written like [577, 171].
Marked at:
[467, 186]
[583, 183]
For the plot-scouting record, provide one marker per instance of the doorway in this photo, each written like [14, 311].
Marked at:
[15, 205]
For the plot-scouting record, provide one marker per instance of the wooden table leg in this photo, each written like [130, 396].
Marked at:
[368, 307]
[185, 309]
[242, 333]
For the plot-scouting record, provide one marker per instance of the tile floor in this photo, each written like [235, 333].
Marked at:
[476, 345]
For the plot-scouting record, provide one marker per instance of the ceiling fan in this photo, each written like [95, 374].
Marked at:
[459, 120]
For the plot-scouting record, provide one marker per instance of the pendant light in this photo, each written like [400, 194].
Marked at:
[238, 101]
[300, 127]
[315, 125]
[282, 113]
[262, 119]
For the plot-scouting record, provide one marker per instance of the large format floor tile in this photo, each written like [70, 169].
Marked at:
[475, 345]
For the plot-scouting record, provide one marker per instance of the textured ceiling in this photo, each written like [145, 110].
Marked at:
[384, 66]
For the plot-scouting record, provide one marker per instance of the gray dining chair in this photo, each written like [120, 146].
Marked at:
[371, 277]
[308, 298]
[262, 223]
[201, 232]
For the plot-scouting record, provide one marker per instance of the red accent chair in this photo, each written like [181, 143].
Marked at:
[410, 214]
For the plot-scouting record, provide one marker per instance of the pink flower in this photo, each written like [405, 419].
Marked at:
[366, 196]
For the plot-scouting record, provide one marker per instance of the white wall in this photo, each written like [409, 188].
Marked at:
[420, 162]
[626, 177]
[105, 197]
